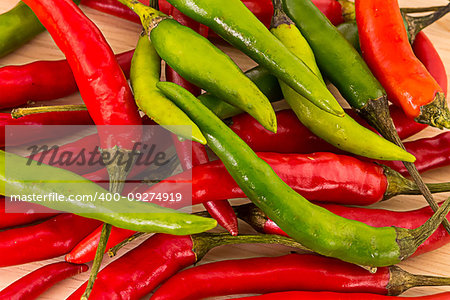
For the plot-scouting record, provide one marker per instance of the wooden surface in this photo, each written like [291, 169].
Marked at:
[123, 35]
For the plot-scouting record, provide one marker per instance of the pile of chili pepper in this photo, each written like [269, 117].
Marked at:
[299, 166]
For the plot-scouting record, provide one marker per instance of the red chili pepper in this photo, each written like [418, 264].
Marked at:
[373, 217]
[293, 137]
[38, 120]
[48, 239]
[337, 296]
[431, 153]
[221, 210]
[332, 9]
[407, 82]
[321, 176]
[115, 8]
[427, 54]
[142, 269]
[305, 272]
[15, 219]
[35, 283]
[43, 80]
[101, 82]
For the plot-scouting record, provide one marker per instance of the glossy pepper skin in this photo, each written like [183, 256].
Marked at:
[342, 132]
[15, 219]
[372, 217]
[294, 137]
[43, 80]
[134, 275]
[122, 213]
[35, 283]
[145, 73]
[320, 230]
[411, 87]
[323, 177]
[431, 153]
[102, 84]
[303, 272]
[237, 25]
[40, 120]
[48, 239]
[337, 296]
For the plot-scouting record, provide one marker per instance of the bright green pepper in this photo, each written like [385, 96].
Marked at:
[197, 60]
[313, 226]
[266, 83]
[234, 22]
[344, 133]
[18, 26]
[145, 72]
[34, 179]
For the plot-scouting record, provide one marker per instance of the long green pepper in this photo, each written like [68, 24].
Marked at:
[235, 23]
[344, 133]
[34, 179]
[314, 227]
[145, 73]
[346, 69]
[197, 60]
[18, 26]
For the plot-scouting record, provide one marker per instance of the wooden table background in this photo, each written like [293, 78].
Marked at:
[122, 35]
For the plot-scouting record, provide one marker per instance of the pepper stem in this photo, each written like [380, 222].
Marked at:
[203, 242]
[376, 112]
[149, 16]
[413, 10]
[436, 113]
[399, 185]
[25, 111]
[106, 230]
[417, 24]
[113, 251]
[401, 281]
[410, 239]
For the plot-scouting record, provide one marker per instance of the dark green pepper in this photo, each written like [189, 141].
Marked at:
[314, 227]
[234, 22]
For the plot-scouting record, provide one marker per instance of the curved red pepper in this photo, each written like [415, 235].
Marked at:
[262, 275]
[102, 84]
[43, 80]
[38, 120]
[293, 137]
[431, 153]
[317, 176]
[378, 218]
[142, 269]
[386, 49]
[48, 239]
[337, 296]
[15, 219]
[32, 285]
[427, 54]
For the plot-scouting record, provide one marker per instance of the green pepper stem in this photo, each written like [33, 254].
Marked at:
[203, 242]
[25, 111]
[113, 251]
[149, 16]
[417, 24]
[413, 10]
[106, 230]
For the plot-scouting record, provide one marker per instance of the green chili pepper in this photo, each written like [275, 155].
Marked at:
[34, 179]
[18, 26]
[350, 31]
[346, 69]
[238, 25]
[316, 228]
[197, 60]
[344, 133]
[266, 83]
[145, 72]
